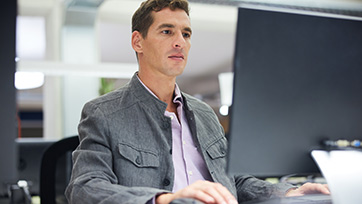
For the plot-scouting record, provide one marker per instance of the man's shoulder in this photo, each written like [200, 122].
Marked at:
[196, 103]
[114, 100]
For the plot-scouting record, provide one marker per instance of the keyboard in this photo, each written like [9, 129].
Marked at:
[307, 199]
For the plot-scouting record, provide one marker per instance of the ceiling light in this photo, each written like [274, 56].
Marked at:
[28, 80]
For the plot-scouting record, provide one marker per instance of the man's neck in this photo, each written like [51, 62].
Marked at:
[162, 86]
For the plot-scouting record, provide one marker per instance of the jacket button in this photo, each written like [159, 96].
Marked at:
[171, 151]
[138, 160]
[165, 125]
[222, 150]
[166, 182]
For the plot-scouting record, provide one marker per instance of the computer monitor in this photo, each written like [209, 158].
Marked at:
[297, 82]
[30, 154]
[8, 162]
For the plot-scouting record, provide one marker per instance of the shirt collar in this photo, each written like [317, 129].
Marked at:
[177, 95]
[177, 92]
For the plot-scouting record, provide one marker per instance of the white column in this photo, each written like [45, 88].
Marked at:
[52, 108]
[52, 104]
[79, 47]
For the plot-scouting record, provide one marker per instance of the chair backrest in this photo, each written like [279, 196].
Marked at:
[48, 167]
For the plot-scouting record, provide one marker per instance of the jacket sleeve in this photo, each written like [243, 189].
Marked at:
[251, 188]
[93, 179]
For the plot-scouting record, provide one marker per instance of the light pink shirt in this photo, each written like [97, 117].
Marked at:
[189, 166]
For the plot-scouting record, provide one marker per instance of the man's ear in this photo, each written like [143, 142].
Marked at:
[136, 41]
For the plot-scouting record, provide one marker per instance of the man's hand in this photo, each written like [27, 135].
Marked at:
[309, 188]
[204, 191]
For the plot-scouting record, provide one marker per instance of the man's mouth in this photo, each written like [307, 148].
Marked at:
[177, 56]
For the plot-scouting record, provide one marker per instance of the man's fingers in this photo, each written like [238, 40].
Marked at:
[207, 192]
[326, 189]
[225, 193]
[309, 188]
[204, 197]
[217, 191]
[323, 188]
[213, 191]
[196, 192]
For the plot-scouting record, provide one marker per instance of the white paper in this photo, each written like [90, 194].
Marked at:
[342, 170]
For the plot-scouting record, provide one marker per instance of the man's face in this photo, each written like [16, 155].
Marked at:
[166, 47]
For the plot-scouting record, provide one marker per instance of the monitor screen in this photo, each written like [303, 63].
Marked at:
[8, 152]
[30, 154]
[297, 82]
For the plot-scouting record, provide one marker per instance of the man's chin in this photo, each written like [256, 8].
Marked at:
[176, 71]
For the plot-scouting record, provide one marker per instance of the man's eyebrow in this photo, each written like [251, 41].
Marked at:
[167, 25]
[188, 29]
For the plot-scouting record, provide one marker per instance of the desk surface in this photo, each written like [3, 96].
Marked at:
[4, 200]
[312, 198]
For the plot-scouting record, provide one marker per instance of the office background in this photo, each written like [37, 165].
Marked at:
[76, 43]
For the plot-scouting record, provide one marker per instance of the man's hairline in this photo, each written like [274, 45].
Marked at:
[153, 20]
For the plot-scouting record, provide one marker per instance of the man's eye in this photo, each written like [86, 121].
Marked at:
[186, 35]
[166, 32]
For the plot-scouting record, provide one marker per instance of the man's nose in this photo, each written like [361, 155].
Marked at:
[179, 41]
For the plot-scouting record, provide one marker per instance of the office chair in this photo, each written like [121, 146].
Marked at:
[48, 167]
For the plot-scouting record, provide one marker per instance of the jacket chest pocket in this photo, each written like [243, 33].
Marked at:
[217, 154]
[218, 149]
[139, 157]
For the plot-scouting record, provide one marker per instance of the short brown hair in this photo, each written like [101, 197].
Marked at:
[142, 18]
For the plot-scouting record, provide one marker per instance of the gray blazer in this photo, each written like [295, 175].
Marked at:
[125, 151]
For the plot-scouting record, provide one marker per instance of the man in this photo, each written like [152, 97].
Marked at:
[148, 142]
